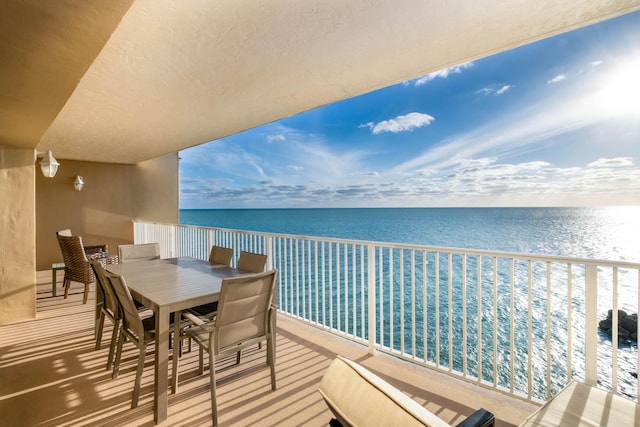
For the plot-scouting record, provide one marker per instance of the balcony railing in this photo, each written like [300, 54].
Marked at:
[522, 324]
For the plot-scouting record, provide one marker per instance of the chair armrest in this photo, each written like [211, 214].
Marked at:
[480, 418]
[193, 318]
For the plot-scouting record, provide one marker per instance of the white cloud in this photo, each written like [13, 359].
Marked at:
[557, 78]
[612, 163]
[365, 174]
[444, 73]
[295, 168]
[404, 123]
[276, 137]
[493, 90]
[595, 63]
[503, 89]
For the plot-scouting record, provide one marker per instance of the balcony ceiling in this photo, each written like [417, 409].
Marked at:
[127, 80]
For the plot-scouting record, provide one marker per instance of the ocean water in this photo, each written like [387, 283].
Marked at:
[595, 233]
[611, 233]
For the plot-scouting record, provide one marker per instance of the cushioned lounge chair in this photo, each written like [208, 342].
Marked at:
[357, 397]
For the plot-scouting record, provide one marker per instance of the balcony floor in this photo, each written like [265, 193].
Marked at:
[50, 375]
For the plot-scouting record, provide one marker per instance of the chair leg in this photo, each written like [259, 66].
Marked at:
[136, 387]
[116, 363]
[201, 364]
[67, 285]
[238, 357]
[86, 293]
[212, 376]
[271, 360]
[99, 331]
[112, 347]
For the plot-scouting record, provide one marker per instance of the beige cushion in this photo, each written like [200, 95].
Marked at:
[581, 405]
[358, 397]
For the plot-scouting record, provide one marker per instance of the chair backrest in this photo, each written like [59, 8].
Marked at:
[252, 262]
[131, 317]
[110, 299]
[220, 255]
[243, 309]
[139, 252]
[76, 265]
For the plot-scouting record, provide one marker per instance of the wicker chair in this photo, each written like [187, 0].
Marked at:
[76, 263]
[92, 251]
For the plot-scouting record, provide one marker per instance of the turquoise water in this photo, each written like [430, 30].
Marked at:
[598, 233]
[601, 233]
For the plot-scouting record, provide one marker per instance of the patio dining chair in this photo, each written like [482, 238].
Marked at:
[245, 317]
[76, 264]
[109, 309]
[219, 256]
[253, 262]
[138, 252]
[139, 331]
[92, 251]
[135, 328]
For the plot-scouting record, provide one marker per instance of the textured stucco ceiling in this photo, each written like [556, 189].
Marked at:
[127, 80]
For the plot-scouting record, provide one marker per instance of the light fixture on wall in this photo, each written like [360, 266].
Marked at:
[78, 183]
[48, 163]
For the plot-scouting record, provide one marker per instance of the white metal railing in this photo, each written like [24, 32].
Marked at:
[518, 323]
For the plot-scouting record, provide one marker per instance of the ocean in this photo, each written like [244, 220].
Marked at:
[610, 233]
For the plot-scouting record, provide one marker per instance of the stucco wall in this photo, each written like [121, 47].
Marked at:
[112, 196]
[17, 235]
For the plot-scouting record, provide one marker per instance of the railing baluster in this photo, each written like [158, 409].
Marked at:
[464, 315]
[569, 323]
[450, 308]
[425, 305]
[479, 304]
[512, 344]
[437, 303]
[548, 331]
[401, 285]
[529, 329]
[614, 335]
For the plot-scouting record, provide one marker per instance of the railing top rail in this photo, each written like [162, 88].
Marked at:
[452, 250]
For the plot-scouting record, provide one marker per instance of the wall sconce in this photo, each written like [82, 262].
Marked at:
[78, 183]
[48, 163]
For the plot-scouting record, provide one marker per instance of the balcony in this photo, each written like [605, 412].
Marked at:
[411, 314]
[52, 376]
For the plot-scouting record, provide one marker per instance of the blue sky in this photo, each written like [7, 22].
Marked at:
[553, 123]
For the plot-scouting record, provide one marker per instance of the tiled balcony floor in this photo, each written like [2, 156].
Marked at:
[50, 375]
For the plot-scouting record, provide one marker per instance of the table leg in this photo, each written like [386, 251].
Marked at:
[160, 393]
[175, 354]
[53, 281]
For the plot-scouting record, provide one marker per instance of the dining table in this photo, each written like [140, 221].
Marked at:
[168, 286]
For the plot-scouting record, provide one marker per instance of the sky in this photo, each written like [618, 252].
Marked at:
[552, 123]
